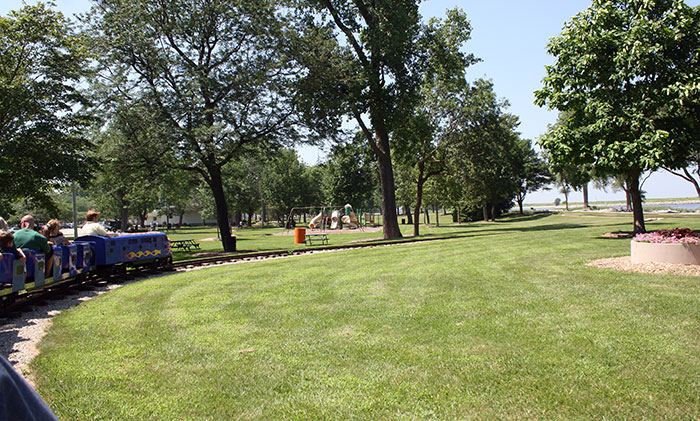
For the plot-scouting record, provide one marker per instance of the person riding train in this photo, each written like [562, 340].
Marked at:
[27, 238]
[92, 227]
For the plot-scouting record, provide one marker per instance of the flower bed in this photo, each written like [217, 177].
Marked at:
[677, 246]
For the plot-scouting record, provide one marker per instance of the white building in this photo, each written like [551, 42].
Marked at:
[189, 218]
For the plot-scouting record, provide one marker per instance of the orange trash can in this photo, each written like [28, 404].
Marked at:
[299, 235]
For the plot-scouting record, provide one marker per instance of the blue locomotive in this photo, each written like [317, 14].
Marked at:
[87, 255]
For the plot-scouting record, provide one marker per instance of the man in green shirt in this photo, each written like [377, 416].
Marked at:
[27, 238]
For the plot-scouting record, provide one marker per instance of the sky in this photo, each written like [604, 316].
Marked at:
[510, 37]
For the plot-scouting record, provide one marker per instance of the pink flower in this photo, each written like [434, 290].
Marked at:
[675, 236]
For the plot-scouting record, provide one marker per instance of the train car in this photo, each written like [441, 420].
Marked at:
[149, 249]
[86, 255]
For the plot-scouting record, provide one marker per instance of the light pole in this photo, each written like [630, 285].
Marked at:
[75, 216]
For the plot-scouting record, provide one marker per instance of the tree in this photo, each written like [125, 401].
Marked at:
[349, 175]
[284, 182]
[423, 138]
[220, 75]
[42, 111]
[689, 170]
[621, 73]
[483, 157]
[373, 73]
[532, 171]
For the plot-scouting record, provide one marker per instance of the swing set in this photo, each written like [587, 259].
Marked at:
[323, 220]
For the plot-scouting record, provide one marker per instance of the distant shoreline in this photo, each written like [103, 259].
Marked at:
[650, 202]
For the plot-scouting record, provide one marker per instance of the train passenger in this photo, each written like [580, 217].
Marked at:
[7, 245]
[27, 238]
[55, 235]
[91, 227]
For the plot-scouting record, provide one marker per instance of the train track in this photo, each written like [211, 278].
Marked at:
[19, 302]
[257, 256]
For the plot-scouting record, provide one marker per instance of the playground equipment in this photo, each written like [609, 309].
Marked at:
[334, 220]
[316, 221]
[350, 219]
[329, 218]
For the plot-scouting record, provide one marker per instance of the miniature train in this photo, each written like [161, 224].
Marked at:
[87, 255]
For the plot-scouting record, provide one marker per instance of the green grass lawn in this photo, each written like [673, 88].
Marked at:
[504, 322]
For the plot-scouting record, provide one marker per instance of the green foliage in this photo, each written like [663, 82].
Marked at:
[350, 176]
[625, 76]
[623, 73]
[132, 179]
[532, 170]
[485, 156]
[376, 64]
[42, 112]
[284, 183]
[220, 76]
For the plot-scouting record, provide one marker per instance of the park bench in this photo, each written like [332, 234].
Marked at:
[311, 238]
[184, 244]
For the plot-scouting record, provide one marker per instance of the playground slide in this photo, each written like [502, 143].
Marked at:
[350, 220]
[316, 221]
[334, 220]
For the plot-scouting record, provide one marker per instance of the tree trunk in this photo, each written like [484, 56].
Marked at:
[419, 200]
[636, 197]
[520, 198]
[386, 176]
[182, 215]
[409, 214]
[493, 213]
[124, 216]
[459, 216]
[585, 197]
[263, 215]
[687, 176]
[485, 209]
[437, 216]
[222, 219]
[427, 215]
[566, 200]
[250, 217]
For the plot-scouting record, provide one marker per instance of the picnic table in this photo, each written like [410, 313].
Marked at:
[184, 244]
[310, 238]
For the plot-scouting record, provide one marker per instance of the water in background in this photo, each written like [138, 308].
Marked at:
[681, 206]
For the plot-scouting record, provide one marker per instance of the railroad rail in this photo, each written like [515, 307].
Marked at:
[61, 288]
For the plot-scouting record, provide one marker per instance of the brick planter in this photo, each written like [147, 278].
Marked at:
[680, 254]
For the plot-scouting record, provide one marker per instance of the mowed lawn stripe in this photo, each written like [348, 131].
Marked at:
[508, 323]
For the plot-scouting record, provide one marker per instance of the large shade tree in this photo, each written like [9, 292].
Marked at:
[423, 138]
[622, 73]
[221, 75]
[42, 118]
[372, 74]
[484, 153]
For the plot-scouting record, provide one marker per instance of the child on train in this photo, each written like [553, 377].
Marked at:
[7, 245]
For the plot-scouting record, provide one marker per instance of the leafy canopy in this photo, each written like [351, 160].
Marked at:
[42, 119]
[625, 73]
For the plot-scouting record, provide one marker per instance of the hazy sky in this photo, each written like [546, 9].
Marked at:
[510, 36]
